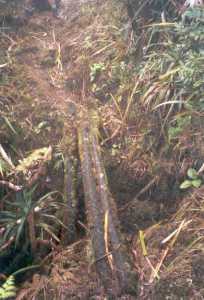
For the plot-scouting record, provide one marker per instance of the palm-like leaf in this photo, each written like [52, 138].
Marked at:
[16, 221]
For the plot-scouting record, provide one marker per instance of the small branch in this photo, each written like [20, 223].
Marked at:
[7, 244]
[3, 65]
[144, 190]
[166, 252]
[10, 185]
[6, 157]
[106, 238]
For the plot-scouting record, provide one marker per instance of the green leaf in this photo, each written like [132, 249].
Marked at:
[197, 183]
[8, 289]
[48, 229]
[8, 123]
[7, 295]
[173, 132]
[192, 173]
[42, 155]
[186, 184]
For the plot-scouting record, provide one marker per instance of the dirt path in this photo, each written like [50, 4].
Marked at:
[50, 59]
[38, 59]
[55, 57]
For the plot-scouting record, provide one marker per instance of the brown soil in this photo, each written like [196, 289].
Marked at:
[49, 53]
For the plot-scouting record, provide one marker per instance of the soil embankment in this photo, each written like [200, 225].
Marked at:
[91, 152]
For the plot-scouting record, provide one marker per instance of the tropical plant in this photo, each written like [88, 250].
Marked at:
[178, 66]
[27, 218]
[8, 289]
[192, 181]
[95, 70]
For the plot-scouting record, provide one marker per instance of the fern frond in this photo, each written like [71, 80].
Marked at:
[8, 289]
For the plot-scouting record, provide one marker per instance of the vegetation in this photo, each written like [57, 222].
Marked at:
[101, 151]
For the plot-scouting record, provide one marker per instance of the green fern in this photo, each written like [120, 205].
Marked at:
[8, 289]
[195, 14]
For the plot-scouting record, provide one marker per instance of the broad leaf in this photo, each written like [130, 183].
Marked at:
[192, 173]
[197, 183]
[186, 184]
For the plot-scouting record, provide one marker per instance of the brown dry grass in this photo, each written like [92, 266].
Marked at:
[56, 70]
[178, 255]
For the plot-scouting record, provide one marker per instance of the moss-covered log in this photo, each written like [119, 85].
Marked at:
[108, 206]
[70, 174]
[109, 252]
[94, 212]
[70, 200]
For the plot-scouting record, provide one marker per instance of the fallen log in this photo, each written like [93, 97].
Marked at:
[70, 201]
[109, 208]
[109, 252]
[94, 211]
[70, 175]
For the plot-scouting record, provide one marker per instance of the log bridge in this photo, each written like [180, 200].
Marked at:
[108, 250]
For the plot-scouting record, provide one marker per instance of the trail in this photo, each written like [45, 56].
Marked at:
[55, 68]
[40, 48]
[97, 123]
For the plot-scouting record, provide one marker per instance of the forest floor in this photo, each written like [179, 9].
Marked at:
[77, 59]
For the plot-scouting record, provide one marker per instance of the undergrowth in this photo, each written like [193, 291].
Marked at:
[151, 114]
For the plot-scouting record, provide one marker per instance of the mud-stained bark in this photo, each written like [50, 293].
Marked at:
[109, 251]
[108, 206]
[70, 200]
[32, 233]
[70, 175]
[94, 211]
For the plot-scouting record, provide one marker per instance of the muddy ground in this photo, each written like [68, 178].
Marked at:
[51, 59]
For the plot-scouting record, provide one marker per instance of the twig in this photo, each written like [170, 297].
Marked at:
[10, 185]
[165, 253]
[6, 157]
[171, 235]
[130, 101]
[152, 267]
[3, 65]
[106, 225]
[107, 254]
[201, 169]
[7, 244]
[144, 190]
[112, 136]
[155, 274]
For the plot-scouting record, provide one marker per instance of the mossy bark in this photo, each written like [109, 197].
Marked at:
[105, 237]
[70, 200]
[93, 207]
[70, 178]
